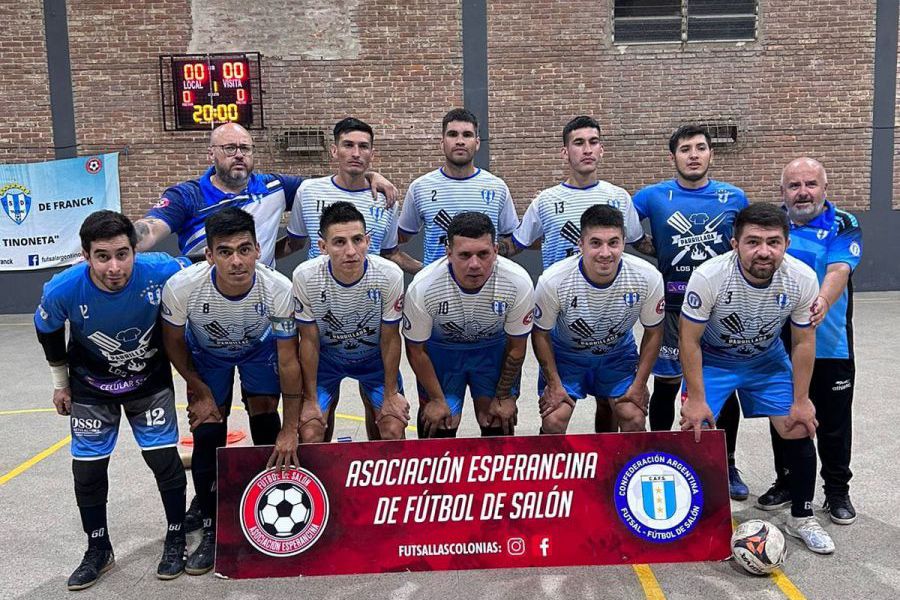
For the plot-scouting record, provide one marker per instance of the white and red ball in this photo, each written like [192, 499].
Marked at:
[758, 546]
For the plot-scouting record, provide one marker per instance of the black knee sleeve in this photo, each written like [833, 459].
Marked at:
[207, 438]
[167, 468]
[800, 456]
[264, 428]
[662, 404]
[91, 481]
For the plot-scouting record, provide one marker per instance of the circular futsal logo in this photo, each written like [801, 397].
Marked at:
[93, 165]
[658, 497]
[284, 512]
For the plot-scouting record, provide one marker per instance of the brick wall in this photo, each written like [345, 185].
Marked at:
[803, 88]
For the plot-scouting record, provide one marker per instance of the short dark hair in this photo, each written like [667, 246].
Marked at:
[602, 215]
[762, 214]
[228, 222]
[105, 225]
[470, 224]
[686, 132]
[352, 124]
[339, 212]
[579, 122]
[459, 114]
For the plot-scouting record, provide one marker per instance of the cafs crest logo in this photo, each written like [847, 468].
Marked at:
[16, 200]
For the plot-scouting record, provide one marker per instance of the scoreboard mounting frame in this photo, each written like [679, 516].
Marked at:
[199, 92]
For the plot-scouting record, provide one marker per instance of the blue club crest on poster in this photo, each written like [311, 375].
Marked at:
[44, 205]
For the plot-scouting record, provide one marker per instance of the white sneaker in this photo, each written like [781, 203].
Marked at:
[812, 534]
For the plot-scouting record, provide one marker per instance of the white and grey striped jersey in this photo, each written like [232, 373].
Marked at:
[435, 198]
[224, 326]
[555, 216]
[315, 195]
[438, 309]
[349, 317]
[744, 320]
[587, 319]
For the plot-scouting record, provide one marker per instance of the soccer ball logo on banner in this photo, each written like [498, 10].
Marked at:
[284, 512]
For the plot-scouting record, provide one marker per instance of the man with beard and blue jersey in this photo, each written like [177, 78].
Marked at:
[691, 218]
[828, 240]
[114, 362]
[735, 307]
[459, 186]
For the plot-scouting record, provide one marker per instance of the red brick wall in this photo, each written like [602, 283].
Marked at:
[803, 88]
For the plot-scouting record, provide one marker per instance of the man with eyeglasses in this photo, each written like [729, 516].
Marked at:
[230, 181]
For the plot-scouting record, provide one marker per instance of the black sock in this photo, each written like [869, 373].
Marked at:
[173, 504]
[662, 403]
[207, 438]
[444, 433]
[93, 521]
[264, 428]
[800, 455]
[494, 431]
[729, 420]
[778, 451]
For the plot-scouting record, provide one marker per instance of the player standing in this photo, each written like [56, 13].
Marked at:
[114, 363]
[735, 306]
[551, 220]
[585, 307]
[691, 218]
[435, 198]
[828, 240]
[232, 311]
[466, 320]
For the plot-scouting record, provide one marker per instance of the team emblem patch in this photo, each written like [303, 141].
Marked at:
[538, 313]
[398, 305]
[855, 250]
[781, 300]
[161, 203]
[374, 295]
[528, 318]
[821, 234]
[499, 307]
[722, 195]
[661, 306]
[488, 195]
[631, 298]
[658, 497]
[16, 200]
[284, 512]
[693, 300]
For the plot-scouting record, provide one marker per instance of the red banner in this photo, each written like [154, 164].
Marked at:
[474, 503]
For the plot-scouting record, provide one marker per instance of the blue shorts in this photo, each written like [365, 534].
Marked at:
[604, 376]
[478, 368]
[258, 370]
[764, 384]
[667, 363]
[369, 374]
[95, 427]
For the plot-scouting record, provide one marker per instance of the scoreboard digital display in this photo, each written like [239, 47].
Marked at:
[211, 89]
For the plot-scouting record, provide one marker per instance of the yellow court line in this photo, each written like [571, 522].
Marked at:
[25, 411]
[648, 581]
[35, 459]
[787, 586]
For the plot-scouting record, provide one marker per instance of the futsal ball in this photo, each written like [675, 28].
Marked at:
[283, 510]
[758, 546]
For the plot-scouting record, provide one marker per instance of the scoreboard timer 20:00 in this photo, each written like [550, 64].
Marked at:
[210, 90]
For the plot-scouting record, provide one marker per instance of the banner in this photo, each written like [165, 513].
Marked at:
[44, 205]
[475, 503]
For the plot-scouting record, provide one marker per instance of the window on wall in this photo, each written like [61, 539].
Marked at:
[661, 21]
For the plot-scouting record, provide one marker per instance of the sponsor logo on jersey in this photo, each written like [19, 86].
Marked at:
[284, 512]
[661, 306]
[16, 200]
[693, 300]
[161, 203]
[676, 287]
[658, 497]
[697, 245]
[855, 250]
[398, 305]
[529, 317]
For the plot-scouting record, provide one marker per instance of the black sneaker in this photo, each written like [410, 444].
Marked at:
[777, 496]
[204, 557]
[171, 565]
[95, 563]
[840, 509]
[193, 520]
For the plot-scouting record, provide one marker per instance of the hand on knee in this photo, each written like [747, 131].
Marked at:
[312, 431]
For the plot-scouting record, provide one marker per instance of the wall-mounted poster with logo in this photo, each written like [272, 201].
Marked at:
[44, 205]
[483, 503]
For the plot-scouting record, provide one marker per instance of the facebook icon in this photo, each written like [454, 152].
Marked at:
[34, 260]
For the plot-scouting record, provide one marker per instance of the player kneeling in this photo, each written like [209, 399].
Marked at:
[349, 305]
[585, 308]
[114, 363]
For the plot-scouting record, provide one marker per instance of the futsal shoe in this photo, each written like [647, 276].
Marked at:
[812, 534]
[173, 560]
[776, 497]
[204, 557]
[737, 489]
[840, 509]
[95, 563]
